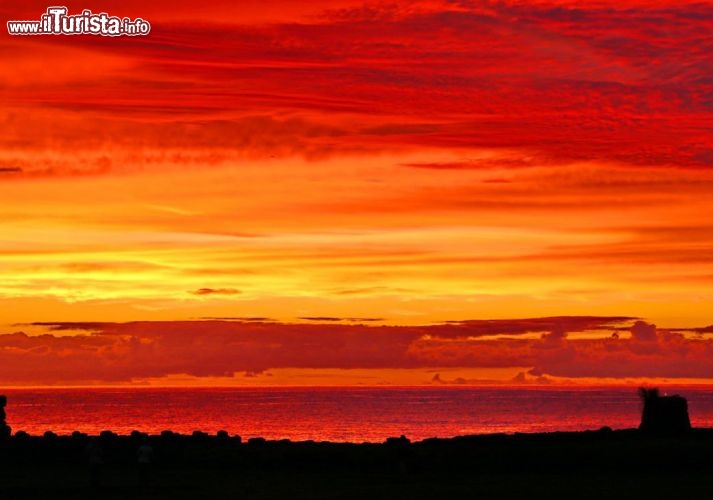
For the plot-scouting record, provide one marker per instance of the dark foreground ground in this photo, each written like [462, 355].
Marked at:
[601, 464]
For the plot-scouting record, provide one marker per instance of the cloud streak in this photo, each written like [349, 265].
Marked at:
[561, 83]
[125, 352]
[215, 291]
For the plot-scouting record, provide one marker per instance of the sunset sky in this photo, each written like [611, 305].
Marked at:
[336, 192]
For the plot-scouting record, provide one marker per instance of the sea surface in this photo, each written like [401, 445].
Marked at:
[354, 414]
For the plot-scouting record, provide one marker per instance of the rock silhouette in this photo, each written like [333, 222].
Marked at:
[663, 415]
[5, 429]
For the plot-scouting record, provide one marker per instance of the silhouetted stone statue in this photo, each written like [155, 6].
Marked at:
[5, 429]
[663, 415]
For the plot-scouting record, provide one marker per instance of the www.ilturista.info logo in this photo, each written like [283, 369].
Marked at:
[57, 22]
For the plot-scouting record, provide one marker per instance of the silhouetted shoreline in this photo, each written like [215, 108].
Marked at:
[188, 466]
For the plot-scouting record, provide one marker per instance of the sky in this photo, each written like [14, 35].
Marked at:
[341, 192]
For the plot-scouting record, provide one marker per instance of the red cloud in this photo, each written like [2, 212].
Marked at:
[626, 84]
[116, 352]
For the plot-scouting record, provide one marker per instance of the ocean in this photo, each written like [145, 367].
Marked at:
[353, 414]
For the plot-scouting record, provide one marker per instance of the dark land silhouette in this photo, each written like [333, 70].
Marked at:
[663, 415]
[5, 429]
[603, 463]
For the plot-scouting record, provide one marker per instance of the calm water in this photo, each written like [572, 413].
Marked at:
[344, 414]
